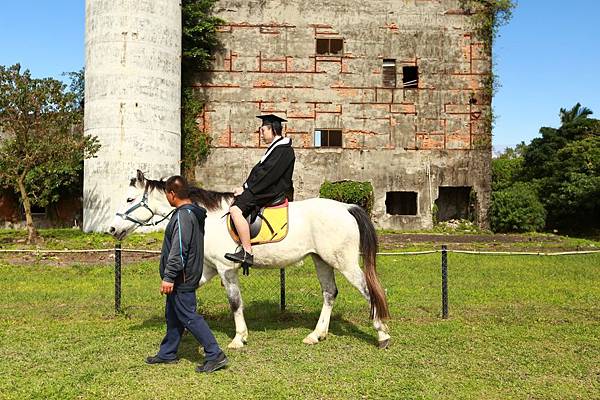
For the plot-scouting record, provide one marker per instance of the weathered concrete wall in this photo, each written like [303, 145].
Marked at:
[400, 139]
[132, 99]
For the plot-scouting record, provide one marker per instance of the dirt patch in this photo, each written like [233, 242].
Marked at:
[64, 259]
[491, 242]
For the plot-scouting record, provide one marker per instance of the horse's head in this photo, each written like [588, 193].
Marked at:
[145, 198]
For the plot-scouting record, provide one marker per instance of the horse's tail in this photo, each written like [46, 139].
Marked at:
[368, 248]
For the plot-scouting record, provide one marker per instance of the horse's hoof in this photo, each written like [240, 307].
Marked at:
[384, 344]
[235, 344]
[310, 340]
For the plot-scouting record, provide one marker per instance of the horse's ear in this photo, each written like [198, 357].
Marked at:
[140, 176]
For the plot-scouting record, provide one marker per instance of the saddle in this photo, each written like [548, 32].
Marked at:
[268, 225]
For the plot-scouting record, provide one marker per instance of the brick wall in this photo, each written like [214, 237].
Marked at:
[269, 64]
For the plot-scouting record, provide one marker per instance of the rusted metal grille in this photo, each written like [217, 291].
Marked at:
[389, 73]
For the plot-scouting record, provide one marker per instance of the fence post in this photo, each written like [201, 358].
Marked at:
[118, 277]
[282, 289]
[444, 281]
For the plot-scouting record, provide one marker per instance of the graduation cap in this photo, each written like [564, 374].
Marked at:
[273, 121]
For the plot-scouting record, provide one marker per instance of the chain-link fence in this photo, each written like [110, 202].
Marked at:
[264, 286]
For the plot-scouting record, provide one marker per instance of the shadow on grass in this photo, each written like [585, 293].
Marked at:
[265, 316]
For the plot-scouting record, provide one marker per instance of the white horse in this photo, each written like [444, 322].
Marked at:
[333, 233]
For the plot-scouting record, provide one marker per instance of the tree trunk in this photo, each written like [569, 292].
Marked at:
[32, 234]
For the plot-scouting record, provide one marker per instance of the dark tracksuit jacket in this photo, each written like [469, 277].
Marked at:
[181, 262]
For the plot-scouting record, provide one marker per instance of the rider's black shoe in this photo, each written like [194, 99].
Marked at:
[240, 257]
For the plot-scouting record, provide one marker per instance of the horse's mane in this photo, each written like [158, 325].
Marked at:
[209, 199]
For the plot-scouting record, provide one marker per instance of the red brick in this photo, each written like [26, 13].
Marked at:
[455, 142]
[430, 142]
[264, 83]
[403, 109]
[223, 139]
[347, 92]
[457, 108]
[301, 110]
[273, 66]
[328, 108]
[352, 143]
[392, 27]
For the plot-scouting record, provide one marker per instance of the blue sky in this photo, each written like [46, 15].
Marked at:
[45, 36]
[547, 57]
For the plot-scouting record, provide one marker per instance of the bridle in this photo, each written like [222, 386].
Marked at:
[144, 204]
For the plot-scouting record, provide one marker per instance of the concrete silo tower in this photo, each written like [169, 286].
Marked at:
[132, 98]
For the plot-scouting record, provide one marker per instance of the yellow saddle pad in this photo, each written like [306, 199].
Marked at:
[271, 225]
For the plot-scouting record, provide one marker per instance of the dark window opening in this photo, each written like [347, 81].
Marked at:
[322, 46]
[410, 77]
[401, 203]
[38, 210]
[328, 138]
[330, 46]
[453, 202]
[35, 211]
[389, 73]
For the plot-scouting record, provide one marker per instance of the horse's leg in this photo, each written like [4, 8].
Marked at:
[352, 271]
[208, 273]
[327, 280]
[232, 287]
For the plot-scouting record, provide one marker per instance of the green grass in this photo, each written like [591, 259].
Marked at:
[519, 327]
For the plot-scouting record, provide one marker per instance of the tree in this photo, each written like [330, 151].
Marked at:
[564, 164]
[517, 209]
[575, 114]
[43, 145]
[507, 167]
[572, 192]
[77, 86]
[199, 38]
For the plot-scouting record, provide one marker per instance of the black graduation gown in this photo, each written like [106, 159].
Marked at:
[273, 176]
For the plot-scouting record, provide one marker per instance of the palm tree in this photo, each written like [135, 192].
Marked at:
[577, 113]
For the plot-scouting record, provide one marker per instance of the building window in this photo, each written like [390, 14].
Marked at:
[410, 77]
[328, 138]
[401, 203]
[454, 202]
[330, 46]
[389, 73]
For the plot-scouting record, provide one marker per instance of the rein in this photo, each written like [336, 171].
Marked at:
[144, 204]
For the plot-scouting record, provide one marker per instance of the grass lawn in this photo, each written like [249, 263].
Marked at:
[519, 327]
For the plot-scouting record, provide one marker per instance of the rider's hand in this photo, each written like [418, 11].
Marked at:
[166, 287]
[238, 191]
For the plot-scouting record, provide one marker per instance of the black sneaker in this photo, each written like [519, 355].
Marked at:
[240, 257]
[213, 365]
[157, 360]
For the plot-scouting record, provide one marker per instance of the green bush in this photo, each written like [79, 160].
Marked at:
[351, 192]
[517, 209]
[505, 172]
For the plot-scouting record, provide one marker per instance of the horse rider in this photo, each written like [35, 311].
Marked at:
[269, 179]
